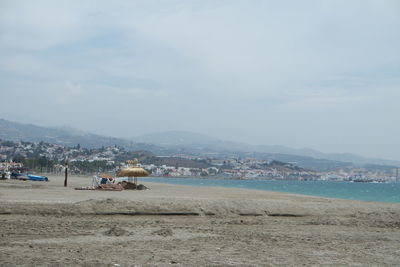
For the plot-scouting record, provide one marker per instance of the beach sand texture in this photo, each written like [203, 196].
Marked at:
[45, 224]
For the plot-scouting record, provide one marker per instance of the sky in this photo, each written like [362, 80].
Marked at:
[316, 74]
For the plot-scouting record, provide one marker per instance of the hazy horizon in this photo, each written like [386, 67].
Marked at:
[139, 139]
[310, 74]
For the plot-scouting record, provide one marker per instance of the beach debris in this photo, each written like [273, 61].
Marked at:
[108, 182]
[114, 187]
[85, 188]
[107, 187]
[128, 185]
[141, 187]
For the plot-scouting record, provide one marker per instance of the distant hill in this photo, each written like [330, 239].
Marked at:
[14, 131]
[195, 141]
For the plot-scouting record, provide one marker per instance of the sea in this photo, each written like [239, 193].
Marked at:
[379, 192]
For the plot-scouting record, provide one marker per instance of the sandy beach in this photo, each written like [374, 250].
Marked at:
[44, 223]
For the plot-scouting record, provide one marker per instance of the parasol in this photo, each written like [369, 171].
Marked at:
[133, 171]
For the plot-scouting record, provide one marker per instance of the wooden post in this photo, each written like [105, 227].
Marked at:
[66, 173]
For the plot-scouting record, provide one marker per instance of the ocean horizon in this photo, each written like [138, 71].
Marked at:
[377, 192]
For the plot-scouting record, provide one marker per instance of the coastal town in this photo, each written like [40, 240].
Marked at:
[51, 158]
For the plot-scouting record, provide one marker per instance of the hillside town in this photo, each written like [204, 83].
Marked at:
[50, 158]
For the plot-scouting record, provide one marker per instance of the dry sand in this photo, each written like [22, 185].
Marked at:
[43, 223]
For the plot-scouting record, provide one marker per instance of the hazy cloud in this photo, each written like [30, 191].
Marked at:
[320, 74]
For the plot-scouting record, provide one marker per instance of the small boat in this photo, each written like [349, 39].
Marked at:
[37, 178]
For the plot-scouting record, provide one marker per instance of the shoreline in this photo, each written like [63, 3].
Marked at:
[247, 184]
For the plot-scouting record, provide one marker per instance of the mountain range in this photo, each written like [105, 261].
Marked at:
[181, 142]
[66, 136]
[176, 139]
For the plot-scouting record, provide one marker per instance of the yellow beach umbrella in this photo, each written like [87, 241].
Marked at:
[133, 171]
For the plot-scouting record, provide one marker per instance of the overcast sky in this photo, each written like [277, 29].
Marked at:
[317, 74]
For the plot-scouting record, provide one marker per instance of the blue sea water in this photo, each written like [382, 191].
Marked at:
[380, 192]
